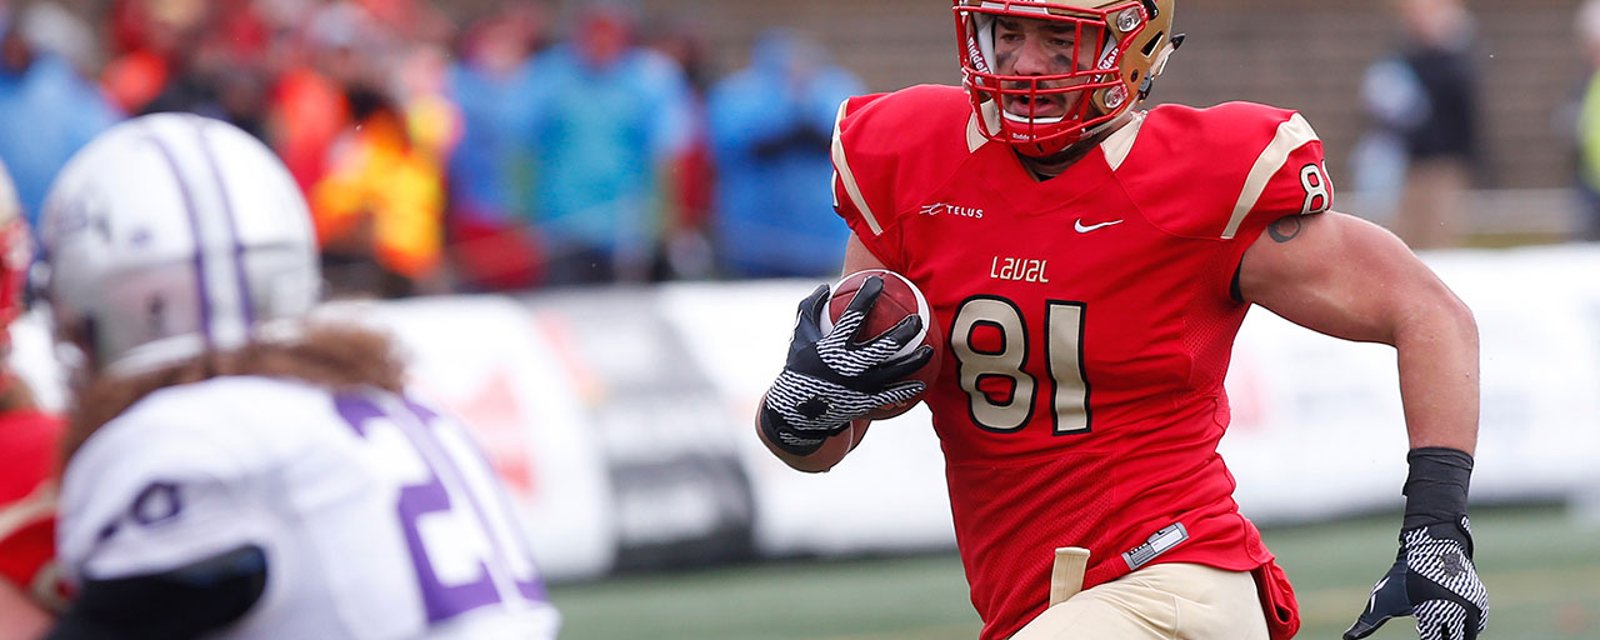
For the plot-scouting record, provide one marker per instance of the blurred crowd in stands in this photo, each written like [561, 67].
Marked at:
[517, 146]
[513, 145]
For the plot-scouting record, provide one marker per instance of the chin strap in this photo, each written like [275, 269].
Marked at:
[1090, 139]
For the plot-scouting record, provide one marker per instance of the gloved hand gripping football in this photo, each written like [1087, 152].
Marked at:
[831, 379]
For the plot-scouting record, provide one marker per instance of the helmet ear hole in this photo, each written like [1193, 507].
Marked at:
[1150, 47]
[81, 335]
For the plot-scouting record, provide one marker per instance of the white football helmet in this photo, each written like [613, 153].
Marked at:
[170, 235]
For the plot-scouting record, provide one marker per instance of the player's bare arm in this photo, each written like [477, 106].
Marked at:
[1348, 278]
[858, 258]
[833, 450]
[20, 616]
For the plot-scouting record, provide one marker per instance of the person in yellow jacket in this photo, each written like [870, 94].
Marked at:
[379, 211]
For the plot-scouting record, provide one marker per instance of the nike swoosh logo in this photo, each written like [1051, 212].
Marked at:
[1083, 228]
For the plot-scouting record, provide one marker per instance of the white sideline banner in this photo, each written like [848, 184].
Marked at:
[486, 360]
[1318, 431]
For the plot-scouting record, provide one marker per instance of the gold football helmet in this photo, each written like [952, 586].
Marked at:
[1121, 46]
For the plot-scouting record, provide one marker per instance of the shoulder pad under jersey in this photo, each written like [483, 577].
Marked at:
[1225, 171]
[888, 148]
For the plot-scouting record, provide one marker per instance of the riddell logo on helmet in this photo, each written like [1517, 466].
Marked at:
[976, 56]
[1109, 60]
[950, 209]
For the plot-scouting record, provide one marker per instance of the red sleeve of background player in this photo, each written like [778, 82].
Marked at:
[28, 498]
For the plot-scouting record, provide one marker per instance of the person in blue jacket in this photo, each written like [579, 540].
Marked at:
[771, 125]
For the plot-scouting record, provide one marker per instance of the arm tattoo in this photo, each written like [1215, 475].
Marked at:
[1284, 229]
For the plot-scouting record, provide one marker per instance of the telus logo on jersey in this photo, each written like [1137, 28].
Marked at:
[950, 209]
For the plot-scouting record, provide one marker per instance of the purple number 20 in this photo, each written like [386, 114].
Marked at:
[447, 489]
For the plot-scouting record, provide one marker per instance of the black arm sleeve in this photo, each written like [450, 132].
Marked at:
[182, 603]
[1436, 488]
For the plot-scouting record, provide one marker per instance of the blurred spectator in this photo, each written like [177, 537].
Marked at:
[215, 72]
[606, 118]
[686, 250]
[47, 111]
[771, 125]
[315, 60]
[1588, 122]
[431, 116]
[491, 246]
[55, 29]
[1390, 96]
[411, 20]
[150, 40]
[379, 210]
[1426, 97]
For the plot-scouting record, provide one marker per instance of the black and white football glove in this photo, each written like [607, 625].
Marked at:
[1433, 578]
[831, 379]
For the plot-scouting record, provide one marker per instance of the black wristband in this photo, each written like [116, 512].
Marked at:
[773, 426]
[1436, 489]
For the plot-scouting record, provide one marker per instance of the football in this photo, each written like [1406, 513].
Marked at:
[900, 298]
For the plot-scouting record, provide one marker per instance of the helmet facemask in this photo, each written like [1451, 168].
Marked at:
[1104, 57]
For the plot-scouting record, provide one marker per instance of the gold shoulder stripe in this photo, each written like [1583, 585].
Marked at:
[1120, 143]
[841, 169]
[1292, 134]
[37, 506]
[975, 137]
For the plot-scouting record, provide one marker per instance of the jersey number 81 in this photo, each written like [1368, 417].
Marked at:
[982, 369]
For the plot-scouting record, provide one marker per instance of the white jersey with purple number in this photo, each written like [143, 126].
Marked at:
[379, 517]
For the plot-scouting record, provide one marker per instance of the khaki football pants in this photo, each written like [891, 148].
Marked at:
[1165, 601]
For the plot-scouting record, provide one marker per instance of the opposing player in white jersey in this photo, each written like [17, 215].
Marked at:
[236, 469]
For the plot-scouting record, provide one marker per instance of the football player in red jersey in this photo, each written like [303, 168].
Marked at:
[29, 440]
[1090, 264]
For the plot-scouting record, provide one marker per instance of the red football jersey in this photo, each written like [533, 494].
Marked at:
[30, 442]
[1088, 318]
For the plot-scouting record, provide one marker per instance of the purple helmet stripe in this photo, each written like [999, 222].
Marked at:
[194, 229]
[229, 221]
